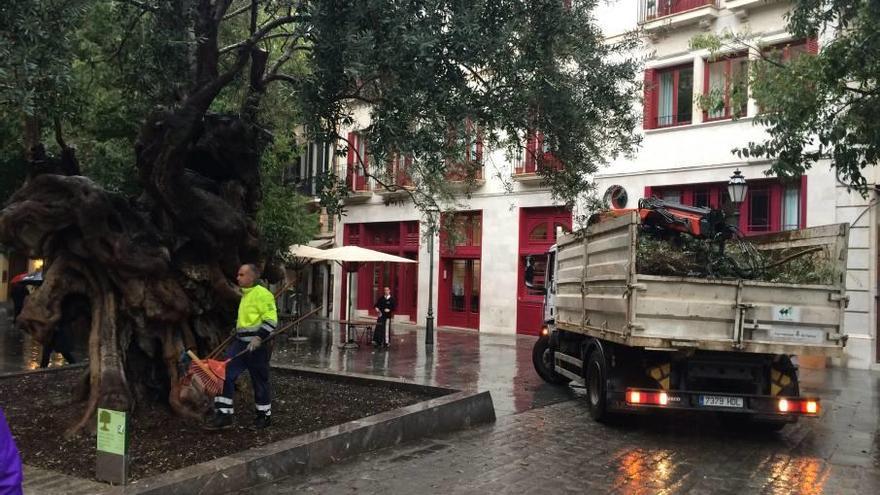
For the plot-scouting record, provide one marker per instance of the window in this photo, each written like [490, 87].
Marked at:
[675, 97]
[791, 208]
[358, 161]
[759, 209]
[398, 170]
[725, 92]
[464, 229]
[702, 198]
[770, 206]
[669, 95]
[314, 163]
[471, 164]
[791, 50]
[538, 155]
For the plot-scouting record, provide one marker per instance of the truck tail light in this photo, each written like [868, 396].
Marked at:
[783, 405]
[798, 406]
[642, 397]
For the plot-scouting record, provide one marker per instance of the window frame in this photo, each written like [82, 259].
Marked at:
[676, 71]
[727, 60]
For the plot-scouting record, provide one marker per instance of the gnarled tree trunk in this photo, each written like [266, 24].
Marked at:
[157, 269]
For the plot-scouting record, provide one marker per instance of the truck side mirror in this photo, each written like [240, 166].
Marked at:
[530, 276]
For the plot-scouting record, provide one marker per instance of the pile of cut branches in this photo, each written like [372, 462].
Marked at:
[681, 255]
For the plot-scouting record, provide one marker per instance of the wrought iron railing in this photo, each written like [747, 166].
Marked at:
[654, 9]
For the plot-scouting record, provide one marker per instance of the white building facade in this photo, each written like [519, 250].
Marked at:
[686, 152]
[685, 157]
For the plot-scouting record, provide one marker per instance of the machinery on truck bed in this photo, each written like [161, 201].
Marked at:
[644, 342]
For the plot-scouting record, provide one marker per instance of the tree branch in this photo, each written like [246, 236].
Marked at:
[242, 10]
[141, 5]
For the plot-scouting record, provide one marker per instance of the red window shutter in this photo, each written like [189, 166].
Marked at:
[362, 179]
[812, 45]
[531, 152]
[566, 4]
[650, 106]
[351, 160]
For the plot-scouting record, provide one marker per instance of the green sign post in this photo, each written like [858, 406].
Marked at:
[112, 458]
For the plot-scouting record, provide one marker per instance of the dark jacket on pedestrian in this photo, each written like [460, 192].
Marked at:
[386, 303]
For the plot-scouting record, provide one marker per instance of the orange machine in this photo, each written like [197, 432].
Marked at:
[661, 216]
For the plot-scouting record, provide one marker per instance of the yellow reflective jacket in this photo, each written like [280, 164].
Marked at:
[257, 315]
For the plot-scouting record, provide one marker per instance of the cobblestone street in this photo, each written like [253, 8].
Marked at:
[557, 448]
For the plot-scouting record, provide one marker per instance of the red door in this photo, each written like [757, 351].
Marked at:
[459, 297]
[537, 233]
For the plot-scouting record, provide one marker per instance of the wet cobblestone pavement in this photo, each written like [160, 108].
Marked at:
[544, 440]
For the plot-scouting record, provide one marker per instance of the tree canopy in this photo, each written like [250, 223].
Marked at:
[182, 114]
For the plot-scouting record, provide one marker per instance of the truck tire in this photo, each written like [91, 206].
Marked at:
[595, 375]
[542, 360]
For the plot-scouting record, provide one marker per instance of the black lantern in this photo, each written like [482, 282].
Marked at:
[737, 188]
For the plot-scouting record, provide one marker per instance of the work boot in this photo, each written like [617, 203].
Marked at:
[262, 421]
[219, 421]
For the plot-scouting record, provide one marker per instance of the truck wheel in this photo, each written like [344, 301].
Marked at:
[542, 359]
[596, 374]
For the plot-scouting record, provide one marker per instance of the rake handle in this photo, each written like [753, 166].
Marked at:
[200, 364]
[228, 339]
[283, 329]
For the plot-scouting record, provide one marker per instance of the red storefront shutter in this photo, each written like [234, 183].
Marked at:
[650, 105]
[812, 45]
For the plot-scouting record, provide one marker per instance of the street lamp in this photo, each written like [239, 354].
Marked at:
[429, 320]
[737, 188]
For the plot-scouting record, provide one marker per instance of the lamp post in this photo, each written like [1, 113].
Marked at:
[737, 187]
[429, 320]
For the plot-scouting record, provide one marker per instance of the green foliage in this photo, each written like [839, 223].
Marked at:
[435, 78]
[434, 75]
[284, 217]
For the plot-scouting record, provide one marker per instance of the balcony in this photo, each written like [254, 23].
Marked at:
[465, 175]
[527, 169]
[358, 188]
[657, 15]
[398, 179]
[741, 8]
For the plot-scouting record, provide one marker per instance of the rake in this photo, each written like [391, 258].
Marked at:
[203, 372]
[212, 372]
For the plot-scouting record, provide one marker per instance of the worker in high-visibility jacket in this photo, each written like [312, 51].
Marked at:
[257, 319]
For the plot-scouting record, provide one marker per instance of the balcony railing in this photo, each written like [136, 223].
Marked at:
[654, 9]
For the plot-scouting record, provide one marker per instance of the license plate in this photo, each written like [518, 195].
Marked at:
[720, 401]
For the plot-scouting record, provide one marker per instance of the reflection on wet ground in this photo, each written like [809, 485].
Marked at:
[559, 449]
[460, 359]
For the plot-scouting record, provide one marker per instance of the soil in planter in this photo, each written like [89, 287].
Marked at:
[39, 408]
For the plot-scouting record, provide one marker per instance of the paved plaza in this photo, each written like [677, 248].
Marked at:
[544, 440]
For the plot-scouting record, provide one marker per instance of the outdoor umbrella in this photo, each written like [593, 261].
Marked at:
[357, 254]
[303, 251]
